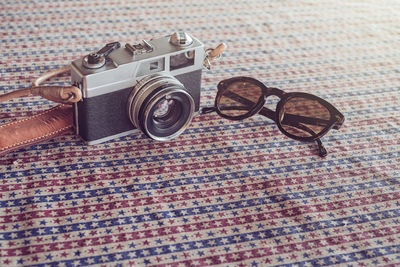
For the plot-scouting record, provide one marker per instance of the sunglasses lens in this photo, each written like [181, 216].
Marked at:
[239, 98]
[304, 117]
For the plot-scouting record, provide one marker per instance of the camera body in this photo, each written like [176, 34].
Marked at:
[153, 86]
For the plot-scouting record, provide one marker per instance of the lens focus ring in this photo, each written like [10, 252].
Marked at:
[145, 101]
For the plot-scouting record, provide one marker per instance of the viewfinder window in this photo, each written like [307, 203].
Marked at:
[182, 60]
[152, 66]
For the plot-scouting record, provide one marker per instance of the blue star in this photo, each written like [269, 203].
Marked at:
[308, 218]
[172, 190]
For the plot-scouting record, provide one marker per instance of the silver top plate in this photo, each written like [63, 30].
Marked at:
[123, 68]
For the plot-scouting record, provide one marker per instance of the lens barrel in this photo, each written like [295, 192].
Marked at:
[160, 107]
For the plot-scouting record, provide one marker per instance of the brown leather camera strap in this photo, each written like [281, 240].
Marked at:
[58, 120]
[44, 125]
[35, 129]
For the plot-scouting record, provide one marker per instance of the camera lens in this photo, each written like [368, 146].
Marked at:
[163, 109]
[160, 106]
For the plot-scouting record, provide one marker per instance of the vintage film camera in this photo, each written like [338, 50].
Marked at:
[153, 87]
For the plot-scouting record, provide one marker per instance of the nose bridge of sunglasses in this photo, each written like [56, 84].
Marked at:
[271, 101]
[272, 91]
[272, 96]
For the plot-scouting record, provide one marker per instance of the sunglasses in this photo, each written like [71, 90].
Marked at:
[300, 116]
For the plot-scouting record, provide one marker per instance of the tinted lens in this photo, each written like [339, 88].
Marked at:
[239, 98]
[304, 117]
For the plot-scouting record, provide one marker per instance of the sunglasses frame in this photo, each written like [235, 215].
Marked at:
[336, 118]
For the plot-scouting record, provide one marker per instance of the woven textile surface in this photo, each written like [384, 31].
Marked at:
[227, 193]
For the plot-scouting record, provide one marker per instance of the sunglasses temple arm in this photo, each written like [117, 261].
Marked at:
[322, 152]
[321, 148]
[207, 110]
[268, 113]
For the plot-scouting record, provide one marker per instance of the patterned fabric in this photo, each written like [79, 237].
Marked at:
[227, 193]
